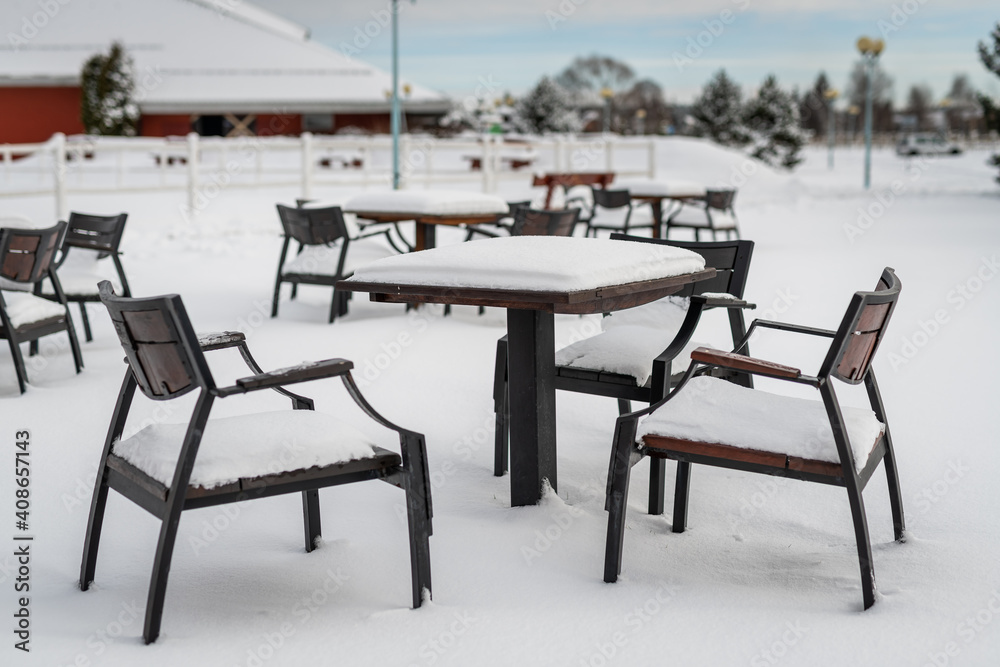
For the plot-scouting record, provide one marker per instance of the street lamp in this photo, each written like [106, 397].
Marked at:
[395, 116]
[830, 94]
[870, 50]
[607, 94]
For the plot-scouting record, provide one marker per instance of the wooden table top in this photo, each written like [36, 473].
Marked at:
[598, 300]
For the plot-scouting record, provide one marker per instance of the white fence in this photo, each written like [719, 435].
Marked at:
[201, 166]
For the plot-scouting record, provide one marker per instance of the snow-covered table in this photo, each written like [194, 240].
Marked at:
[427, 208]
[533, 277]
[655, 192]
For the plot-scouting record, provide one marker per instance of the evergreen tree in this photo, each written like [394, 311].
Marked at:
[772, 118]
[717, 113]
[106, 84]
[991, 59]
[546, 108]
[813, 107]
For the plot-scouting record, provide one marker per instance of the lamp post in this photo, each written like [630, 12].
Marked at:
[607, 94]
[395, 115]
[830, 94]
[870, 50]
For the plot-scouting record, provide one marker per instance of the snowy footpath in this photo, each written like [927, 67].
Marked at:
[766, 574]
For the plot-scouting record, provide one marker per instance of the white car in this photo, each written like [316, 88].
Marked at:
[926, 144]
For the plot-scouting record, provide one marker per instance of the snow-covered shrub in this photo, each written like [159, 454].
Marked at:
[546, 108]
[718, 112]
[772, 117]
[107, 107]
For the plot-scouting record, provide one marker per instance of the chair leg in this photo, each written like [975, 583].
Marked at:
[311, 518]
[657, 484]
[501, 406]
[274, 299]
[88, 565]
[622, 459]
[895, 497]
[74, 344]
[863, 542]
[418, 519]
[86, 322]
[161, 570]
[682, 488]
[295, 290]
[19, 370]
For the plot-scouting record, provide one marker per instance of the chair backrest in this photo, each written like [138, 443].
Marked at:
[730, 259]
[26, 254]
[531, 222]
[721, 200]
[102, 233]
[313, 226]
[611, 198]
[861, 330]
[160, 344]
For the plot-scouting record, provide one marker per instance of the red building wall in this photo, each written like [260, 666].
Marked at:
[33, 114]
[166, 125]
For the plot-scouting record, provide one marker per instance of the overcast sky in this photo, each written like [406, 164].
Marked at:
[465, 47]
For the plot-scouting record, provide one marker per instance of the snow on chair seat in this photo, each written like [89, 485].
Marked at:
[710, 412]
[322, 260]
[250, 446]
[24, 308]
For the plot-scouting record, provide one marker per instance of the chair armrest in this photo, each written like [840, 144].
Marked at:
[220, 340]
[795, 328]
[722, 301]
[740, 362]
[314, 370]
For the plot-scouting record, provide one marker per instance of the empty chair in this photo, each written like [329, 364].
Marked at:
[531, 222]
[715, 214]
[502, 227]
[326, 253]
[613, 210]
[89, 241]
[642, 351]
[26, 265]
[169, 468]
[706, 421]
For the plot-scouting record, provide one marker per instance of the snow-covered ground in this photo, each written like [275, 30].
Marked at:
[767, 572]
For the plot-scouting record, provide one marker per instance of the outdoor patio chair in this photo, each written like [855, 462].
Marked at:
[714, 214]
[707, 421]
[614, 211]
[642, 350]
[89, 240]
[26, 261]
[531, 222]
[169, 468]
[502, 227]
[326, 253]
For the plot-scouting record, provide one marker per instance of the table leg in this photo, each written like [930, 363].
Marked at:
[532, 396]
[425, 236]
[657, 217]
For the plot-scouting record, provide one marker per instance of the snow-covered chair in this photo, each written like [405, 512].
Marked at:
[714, 214]
[707, 421]
[26, 261]
[642, 350]
[326, 253]
[90, 239]
[168, 468]
[613, 210]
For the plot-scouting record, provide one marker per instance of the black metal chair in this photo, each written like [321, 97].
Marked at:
[158, 467]
[710, 422]
[714, 214]
[531, 222]
[502, 227]
[326, 253]
[26, 261]
[613, 211]
[94, 238]
[732, 261]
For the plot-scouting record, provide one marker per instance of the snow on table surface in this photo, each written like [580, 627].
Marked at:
[672, 187]
[717, 411]
[427, 202]
[533, 263]
[248, 446]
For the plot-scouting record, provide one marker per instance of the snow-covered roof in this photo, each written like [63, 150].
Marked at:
[200, 56]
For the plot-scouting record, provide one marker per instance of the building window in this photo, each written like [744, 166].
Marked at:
[317, 122]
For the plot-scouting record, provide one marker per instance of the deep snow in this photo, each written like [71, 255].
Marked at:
[765, 575]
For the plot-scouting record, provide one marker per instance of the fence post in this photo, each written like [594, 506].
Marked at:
[192, 171]
[307, 161]
[59, 162]
[651, 165]
[609, 153]
[405, 161]
[485, 161]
